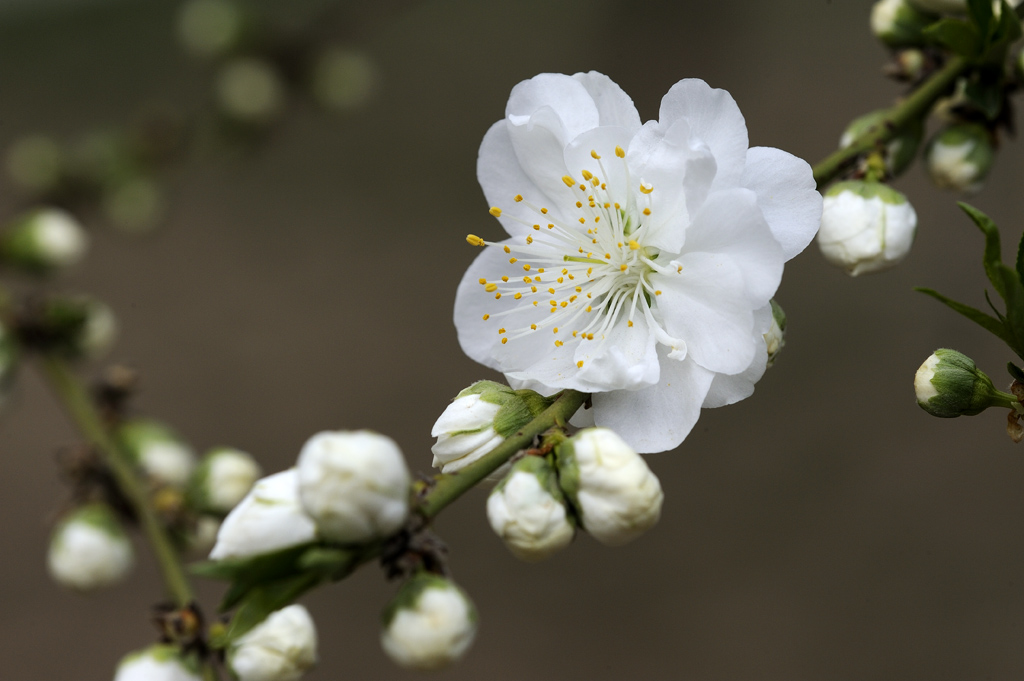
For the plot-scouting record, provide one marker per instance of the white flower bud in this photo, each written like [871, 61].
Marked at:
[44, 240]
[157, 663]
[960, 156]
[90, 549]
[208, 28]
[865, 226]
[955, 6]
[948, 384]
[354, 484]
[160, 453]
[898, 23]
[268, 519]
[222, 480]
[343, 79]
[281, 648]
[527, 510]
[616, 495]
[250, 91]
[478, 420]
[775, 339]
[429, 624]
[99, 330]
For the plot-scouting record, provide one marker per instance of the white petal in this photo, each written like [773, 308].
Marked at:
[786, 194]
[626, 358]
[567, 98]
[611, 170]
[658, 418]
[476, 336]
[727, 389]
[614, 106]
[714, 118]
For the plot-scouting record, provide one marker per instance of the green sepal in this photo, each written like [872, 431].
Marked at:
[778, 314]
[1015, 372]
[516, 407]
[962, 388]
[569, 474]
[409, 595]
[247, 574]
[956, 35]
[986, 92]
[96, 515]
[260, 602]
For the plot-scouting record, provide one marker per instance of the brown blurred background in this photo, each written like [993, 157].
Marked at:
[825, 528]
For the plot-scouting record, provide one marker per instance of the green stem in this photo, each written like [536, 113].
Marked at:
[82, 411]
[450, 487]
[913, 107]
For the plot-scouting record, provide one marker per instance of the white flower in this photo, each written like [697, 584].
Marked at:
[223, 478]
[617, 496]
[354, 484]
[269, 518]
[960, 157]
[159, 451]
[640, 258]
[45, 239]
[527, 510]
[156, 663]
[281, 648]
[866, 226]
[90, 550]
[430, 624]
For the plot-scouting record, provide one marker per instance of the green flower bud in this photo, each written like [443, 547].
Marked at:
[960, 156]
[897, 23]
[901, 149]
[775, 339]
[43, 241]
[949, 384]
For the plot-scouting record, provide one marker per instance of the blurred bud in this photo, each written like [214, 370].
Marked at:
[268, 519]
[89, 549]
[429, 624]
[897, 23]
[527, 510]
[949, 384]
[865, 226]
[162, 455]
[775, 339]
[104, 158]
[203, 536]
[281, 648]
[960, 156]
[222, 479]
[35, 163]
[134, 206]
[354, 484]
[78, 327]
[941, 6]
[343, 79]
[43, 240]
[478, 420]
[157, 663]
[210, 28]
[616, 495]
[901, 149]
[250, 91]
[909, 64]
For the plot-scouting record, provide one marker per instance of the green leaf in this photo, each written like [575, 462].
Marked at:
[998, 314]
[246, 574]
[987, 322]
[981, 16]
[993, 256]
[262, 601]
[1015, 372]
[1014, 323]
[956, 35]
[1020, 258]
[1009, 29]
[986, 95]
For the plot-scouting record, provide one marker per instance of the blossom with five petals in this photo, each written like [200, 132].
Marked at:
[640, 258]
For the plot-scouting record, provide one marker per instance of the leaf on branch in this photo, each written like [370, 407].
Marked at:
[263, 600]
[981, 13]
[956, 35]
[993, 259]
[987, 322]
[1015, 372]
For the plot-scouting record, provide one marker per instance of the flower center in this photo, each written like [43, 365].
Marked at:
[579, 278]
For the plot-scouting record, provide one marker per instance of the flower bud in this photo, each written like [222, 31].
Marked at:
[897, 23]
[269, 518]
[250, 91]
[775, 339]
[43, 241]
[35, 163]
[208, 28]
[478, 420]
[222, 480]
[161, 454]
[616, 496]
[203, 535]
[157, 663]
[901, 149]
[527, 510]
[89, 549]
[343, 79]
[281, 648]
[960, 156]
[354, 484]
[949, 384]
[429, 624]
[865, 226]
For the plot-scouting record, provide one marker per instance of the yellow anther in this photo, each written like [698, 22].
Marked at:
[657, 293]
[647, 211]
[589, 270]
[537, 227]
[607, 205]
[617, 206]
[529, 239]
[504, 279]
[560, 280]
[551, 290]
[491, 288]
[563, 303]
[579, 364]
[527, 280]
[507, 249]
[550, 226]
[483, 281]
[541, 270]
[504, 340]
[633, 245]
[538, 278]
[535, 303]
[604, 186]
[559, 343]
[588, 308]
[574, 333]
[554, 303]
[630, 322]
[579, 204]
[518, 296]
[565, 270]
[593, 155]
[623, 267]
[533, 326]
[497, 296]
[590, 295]
[620, 152]
[579, 289]
[590, 336]
[495, 211]
[533, 288]
[544, 211]
[572, 299]
[587, 175]
[555, 329]
[593, 241]
[501, 330]
[583, 187]
[518, 197]
[620, 244]
[679, 269]
[646, 188]
[554, 310]
[474, 240]
[597, 218]
[526, 267]
[513, 261]
[581, 249]
[568, 180]
[607, 256]
[571, 277]
[486, 317]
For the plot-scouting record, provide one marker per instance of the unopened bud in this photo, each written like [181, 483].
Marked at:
[429, 624]
[900, 150]
[209, 28]
[250, 91]
[478, 420]
[222, 480]
[43, 240]
[865, 226]
[89, 549]
[281, 648]
[203, 535]
[344, 79]
[949, 384]
[268, 519]
[616, 496]
[157, 663]
[960, 156]
[527, 510]
[775, 339]
[898, 23]
[354, 484]
[159, 452]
